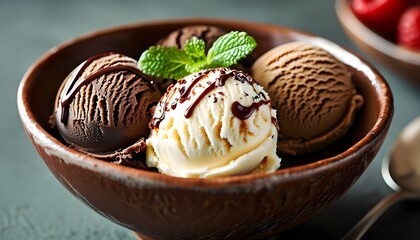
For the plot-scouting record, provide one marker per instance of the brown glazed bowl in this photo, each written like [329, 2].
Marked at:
[400, 60]
[157, 206]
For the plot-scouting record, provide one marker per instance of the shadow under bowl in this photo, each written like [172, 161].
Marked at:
[404, 62]
[164, 207]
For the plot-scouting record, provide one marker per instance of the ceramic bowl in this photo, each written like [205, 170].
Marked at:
[400, 60]
[157, 206]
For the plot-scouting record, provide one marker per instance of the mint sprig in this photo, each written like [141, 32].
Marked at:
[174, 63]
[229, 48]
[168, 60]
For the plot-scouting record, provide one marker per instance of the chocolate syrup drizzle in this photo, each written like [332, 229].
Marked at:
[242, 112]
[238, 110]
[74, 84]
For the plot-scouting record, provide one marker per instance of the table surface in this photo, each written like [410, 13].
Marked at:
[33, 204]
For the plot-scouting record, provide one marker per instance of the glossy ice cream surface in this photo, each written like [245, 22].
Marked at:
[216, 122]
[313, 93]
[102, 106]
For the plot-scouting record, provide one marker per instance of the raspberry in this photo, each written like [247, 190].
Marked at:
[409, 28]
[381, 16]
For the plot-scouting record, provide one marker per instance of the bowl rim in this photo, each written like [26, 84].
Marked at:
[350, 22]
[137, 177]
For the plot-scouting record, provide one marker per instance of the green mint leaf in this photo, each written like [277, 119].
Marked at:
[196, 49]
[174, 63]
[166, 62]
[228, 49]
[192, 68]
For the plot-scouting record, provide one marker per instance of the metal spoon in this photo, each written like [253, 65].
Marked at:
[401, 171]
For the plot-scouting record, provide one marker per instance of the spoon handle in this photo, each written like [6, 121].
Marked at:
[364, 224]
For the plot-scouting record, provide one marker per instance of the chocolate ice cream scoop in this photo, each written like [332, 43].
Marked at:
[179, 37]
[313, 93]
[103, 105]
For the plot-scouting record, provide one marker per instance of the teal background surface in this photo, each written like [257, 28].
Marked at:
[33, 204]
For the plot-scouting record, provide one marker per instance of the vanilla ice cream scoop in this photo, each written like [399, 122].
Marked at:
[313, 93]
[217, 122]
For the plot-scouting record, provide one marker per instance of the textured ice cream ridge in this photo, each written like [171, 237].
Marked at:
[313, 93]
[102, 107]
[216, 122]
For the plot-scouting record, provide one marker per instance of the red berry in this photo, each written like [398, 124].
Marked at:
[381, 16]
[409, 28]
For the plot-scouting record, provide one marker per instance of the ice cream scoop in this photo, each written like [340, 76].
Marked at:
[213, 123]
[313, 93]
[179, 37]
[103, 105]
